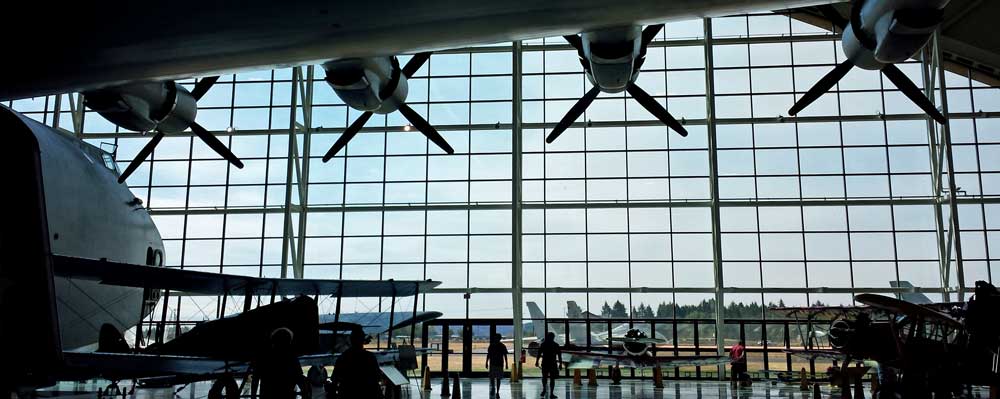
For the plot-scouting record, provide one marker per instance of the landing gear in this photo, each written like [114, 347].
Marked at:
[224, 388]
[112, 391]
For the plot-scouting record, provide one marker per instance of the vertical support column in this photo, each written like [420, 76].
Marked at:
[929, 64]
[954, 226]
[56, 110]
[306, 93]
[713, 174]
[516, 261]
[287, 242]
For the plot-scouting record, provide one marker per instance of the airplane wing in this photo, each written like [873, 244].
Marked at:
[205, 283]
[590, 360]
[377, 322]
[815, 353]
[148, 366]
[154, 370]
[818, 312]
[896, 306]
[254, 36]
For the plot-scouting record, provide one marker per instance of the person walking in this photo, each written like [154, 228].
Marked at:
[496, 362]
[551, 358]
[737, 362]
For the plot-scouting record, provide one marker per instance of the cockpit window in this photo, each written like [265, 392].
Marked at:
[109, 162]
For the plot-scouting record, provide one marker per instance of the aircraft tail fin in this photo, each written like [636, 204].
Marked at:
[911, 297]
[537, 319]
[577, 330]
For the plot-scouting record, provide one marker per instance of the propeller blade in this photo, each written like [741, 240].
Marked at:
[202, 86]
[215, 144]
[421, 124]
[393, 80]
[911, 91]
[140, 157]
[650, 104]
[649, 33]
[824, 85]
[415, 63]
[347, 136]
[833, 16]
[573, 114]
[577, 43]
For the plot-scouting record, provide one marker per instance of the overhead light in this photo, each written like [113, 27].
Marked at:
[407, 127]
[230, 129]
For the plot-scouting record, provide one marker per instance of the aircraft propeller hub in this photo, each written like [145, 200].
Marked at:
[878, 35]
[840, 333]
[376, 85]
[635, 342]
[160, 106]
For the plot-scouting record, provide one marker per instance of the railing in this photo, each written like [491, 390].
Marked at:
[464, 349]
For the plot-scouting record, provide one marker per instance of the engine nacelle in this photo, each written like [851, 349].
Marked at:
[368, 84]
[897, 28]
[611, 56]
[145, 106]
[633, 343]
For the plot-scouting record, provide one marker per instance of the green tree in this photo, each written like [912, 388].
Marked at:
[606, 310]
[618, 310]
[573, 310]
[664, 311]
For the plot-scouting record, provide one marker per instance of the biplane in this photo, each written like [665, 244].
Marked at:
[920, 350]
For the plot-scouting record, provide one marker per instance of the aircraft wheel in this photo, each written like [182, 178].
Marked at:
[112, 390]
[224, 384]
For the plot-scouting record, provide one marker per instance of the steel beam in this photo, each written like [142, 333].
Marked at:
[287, 241]
[517, 268]
[302, 164]
[714, 188]
[954, 225]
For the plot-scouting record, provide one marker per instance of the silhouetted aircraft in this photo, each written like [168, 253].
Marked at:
[922, 349]
[634, 350]
[84, 262]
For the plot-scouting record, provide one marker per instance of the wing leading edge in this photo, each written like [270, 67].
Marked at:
[206, 283]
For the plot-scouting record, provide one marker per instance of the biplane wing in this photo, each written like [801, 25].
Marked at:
[205, 283]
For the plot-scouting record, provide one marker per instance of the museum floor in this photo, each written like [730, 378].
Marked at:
[531, 389]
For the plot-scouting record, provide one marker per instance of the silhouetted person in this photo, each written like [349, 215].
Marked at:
[356, 373]
[551, 357]
[496, 361]
[278, 370]
[833, 372]
[737, 362]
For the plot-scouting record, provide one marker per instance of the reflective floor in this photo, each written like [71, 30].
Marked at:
[531, 388]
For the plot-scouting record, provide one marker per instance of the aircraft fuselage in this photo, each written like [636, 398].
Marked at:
[89, 215]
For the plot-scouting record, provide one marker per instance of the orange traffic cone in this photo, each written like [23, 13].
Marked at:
[444, 386]
[426, 382]
[457, 389]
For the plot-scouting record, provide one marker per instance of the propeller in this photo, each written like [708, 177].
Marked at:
[641, 96]
[213, 142]
[412, 116]
[897, 77]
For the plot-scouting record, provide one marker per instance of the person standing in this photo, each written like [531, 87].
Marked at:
[496, 362]
[551, 358]
[356, 373]
[737, 362]
[278, 371]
